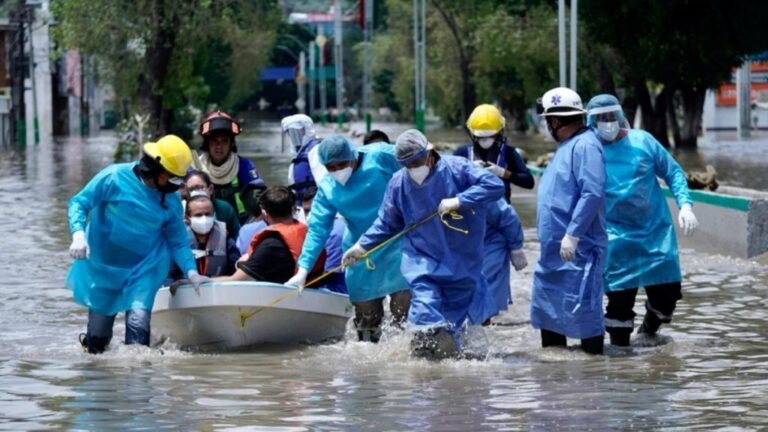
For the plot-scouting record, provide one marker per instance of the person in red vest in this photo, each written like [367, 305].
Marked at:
[273, 252]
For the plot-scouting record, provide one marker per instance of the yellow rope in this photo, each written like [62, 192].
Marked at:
[368, 262]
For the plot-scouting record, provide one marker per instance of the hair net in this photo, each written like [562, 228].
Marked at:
[410, 145]
[336, 148]
[604, 104]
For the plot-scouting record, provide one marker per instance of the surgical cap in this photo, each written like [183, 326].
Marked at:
[336, 148]
[410, 145]
[603, 104]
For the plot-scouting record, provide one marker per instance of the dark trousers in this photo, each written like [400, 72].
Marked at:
[593, 345]
[619, 315]
[369, 314]
[99, 332]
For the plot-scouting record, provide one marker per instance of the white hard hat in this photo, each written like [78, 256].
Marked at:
[296, 121]
[561, 101]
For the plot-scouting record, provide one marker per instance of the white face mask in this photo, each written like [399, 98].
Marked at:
[418, 174]
[201, 224]
[342, 175]
[486, 143]
[608, 130]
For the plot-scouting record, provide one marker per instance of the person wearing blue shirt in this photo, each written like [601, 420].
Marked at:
[491, 150]
[127, 226]
[444, 200]
[642, 246]
[503, 244]
[333, 247]
[567, 296]
[229, 172]
[354, 188]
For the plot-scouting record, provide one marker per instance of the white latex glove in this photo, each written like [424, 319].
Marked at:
[519, 261]
[196, 280]
[495, 170]
[352, 255]
[299, 279]
[568, 248]
[79, 248]
[448, 204]
[686, 219]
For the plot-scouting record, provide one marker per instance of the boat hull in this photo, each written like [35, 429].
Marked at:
[239, 315]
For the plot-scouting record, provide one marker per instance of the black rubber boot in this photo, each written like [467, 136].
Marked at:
[94, 345]
[434, 345]
[550, 339]
[651, 324]
[619, 336]
[593, 345]
[368, 317]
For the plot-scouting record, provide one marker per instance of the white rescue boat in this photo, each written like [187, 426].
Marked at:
[239, 315]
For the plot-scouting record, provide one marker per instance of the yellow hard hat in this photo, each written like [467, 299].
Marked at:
[172, 153]
[485, 121]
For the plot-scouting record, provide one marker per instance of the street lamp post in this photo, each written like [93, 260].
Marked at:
[419, 60]
[367, 63]
[339, 60]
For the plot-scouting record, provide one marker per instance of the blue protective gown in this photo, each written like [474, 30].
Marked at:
[642, 246]
[358, 202]
[567, 297]
[442, 265]
[132, 240]
[504, 233]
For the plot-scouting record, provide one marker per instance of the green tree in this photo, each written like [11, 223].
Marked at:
[674, 50]
[158, 54]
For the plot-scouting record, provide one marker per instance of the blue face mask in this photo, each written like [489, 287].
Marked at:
[608, 130]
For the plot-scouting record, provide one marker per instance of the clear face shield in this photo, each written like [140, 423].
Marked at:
[295, 137]
[608, 120]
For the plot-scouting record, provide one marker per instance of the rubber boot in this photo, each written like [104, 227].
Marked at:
[619, 336]
[650, 325]
[368, 317]
[93, 344]
[434, 345]
[593, 345]
[551, 339]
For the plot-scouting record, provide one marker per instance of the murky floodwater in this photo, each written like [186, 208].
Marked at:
[712, 376]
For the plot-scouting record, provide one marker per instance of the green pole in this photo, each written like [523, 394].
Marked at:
[37, 130]
[420, 120]
[21, 133]
[367, 122]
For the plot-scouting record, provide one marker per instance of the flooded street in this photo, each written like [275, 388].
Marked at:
[712, 375]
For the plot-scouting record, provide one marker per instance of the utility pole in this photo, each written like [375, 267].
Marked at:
[339, 60]
[301, 81]
[321, 40]
[420, 60]
[18, 121]
[35, 123]
[574, 26]
[367, 62]
[312, 77]
[561, 39]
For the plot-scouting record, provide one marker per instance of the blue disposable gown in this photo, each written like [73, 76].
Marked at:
[504, 233]
[567, 297]
[642, 246]
[358, 202]
[443, 266]
[132, 240]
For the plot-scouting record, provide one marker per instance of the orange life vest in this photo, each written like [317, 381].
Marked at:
[293, 236]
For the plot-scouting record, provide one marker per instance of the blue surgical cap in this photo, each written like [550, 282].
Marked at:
[336, 148]
[603, 104]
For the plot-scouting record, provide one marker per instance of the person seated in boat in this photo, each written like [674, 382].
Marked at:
[255, 223]
[335, 281]
[443, 200]
[215, 253]
[273, 252]
[354, 187]
[199, 183]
